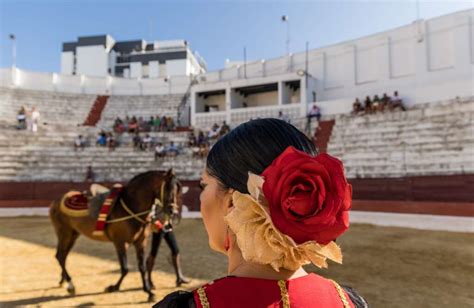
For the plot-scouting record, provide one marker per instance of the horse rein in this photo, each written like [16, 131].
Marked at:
[136, 216]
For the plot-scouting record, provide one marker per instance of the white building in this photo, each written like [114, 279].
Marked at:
[102, 55]
[426, 61]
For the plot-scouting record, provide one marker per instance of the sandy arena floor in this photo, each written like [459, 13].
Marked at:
[390, 267]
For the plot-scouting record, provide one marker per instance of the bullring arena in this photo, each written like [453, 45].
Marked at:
[412, 170]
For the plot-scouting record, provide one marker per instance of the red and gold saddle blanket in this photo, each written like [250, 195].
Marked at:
[76, 204]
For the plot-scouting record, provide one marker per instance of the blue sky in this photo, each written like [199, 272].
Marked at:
[216, 29]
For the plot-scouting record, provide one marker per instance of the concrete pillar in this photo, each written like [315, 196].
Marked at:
[304, 95]
[281, 92]
[228, 102]
[83, 81]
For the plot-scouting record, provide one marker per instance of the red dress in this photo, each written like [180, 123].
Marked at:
[307, 291]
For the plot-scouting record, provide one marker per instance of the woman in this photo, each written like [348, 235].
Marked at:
[271, 205]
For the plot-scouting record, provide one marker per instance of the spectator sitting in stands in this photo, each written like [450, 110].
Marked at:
[156, 124]
[102, 139]
[79, 143]
[385, 101]
[137, 142]
[368, 105]
[112, 144]
[133, 125]
[147, 142]
[163, 124]
[169, 124]
[396, 102]
[214, 132]
[192, 140]
[201, 138]
[119, 127]
[357, 107]
[283, 117]
[160, 151]
[150, 124]
[142, 125]
[376, 103]
[224, 129]
[21, 117]
[172, 149]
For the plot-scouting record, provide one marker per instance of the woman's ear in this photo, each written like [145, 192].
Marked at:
[229, 206]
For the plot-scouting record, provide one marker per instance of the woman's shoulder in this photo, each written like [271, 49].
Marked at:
[229, 290]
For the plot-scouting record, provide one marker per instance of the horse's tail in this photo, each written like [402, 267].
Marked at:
[56, 215]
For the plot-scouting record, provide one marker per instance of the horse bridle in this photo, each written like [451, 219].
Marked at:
[136, 216]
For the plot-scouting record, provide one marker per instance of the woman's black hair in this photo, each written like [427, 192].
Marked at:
[252, 146]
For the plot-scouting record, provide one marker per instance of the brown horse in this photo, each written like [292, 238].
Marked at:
[122, 227]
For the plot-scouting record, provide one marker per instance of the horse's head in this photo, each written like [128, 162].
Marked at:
[170, 195]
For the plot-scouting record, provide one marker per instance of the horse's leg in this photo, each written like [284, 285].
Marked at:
[66, 240]
[156, 238]
[121, 248]
[140, 249]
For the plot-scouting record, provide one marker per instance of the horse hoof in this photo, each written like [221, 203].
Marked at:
[71, 290]
[151, 298]
[111, 289]
[181, 281]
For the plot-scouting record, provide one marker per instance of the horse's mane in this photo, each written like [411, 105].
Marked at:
[145, 174]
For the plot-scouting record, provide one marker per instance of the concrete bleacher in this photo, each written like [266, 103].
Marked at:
[431, 139]
[49, 156]
[54, 107]
[140, 106]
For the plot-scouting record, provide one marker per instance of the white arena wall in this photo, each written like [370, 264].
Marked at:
[428, 60]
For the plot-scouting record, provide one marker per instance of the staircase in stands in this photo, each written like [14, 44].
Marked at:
[323, 134]
[96, 111]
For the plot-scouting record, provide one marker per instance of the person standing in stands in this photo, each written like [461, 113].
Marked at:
[90, 175]
[315, 112]
[35, 118]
